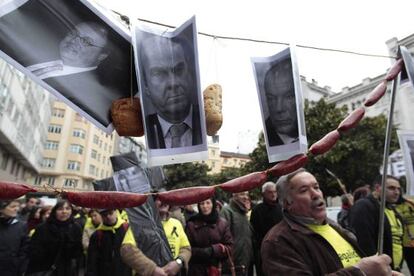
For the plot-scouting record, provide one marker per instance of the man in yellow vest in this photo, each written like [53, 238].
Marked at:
[305, 242]
[405, 208]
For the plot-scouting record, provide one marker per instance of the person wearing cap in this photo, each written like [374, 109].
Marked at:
[14, 240]
[110, 253]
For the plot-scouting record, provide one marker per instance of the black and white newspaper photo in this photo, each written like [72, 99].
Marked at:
[406, 139]
[72, 50]
[281, 104]
[132, 180]
[171, 99]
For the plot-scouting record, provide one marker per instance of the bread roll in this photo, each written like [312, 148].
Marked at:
[126, 117]
[213, 108]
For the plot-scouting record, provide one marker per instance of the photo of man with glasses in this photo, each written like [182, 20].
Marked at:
[82, 49]
[68, 48]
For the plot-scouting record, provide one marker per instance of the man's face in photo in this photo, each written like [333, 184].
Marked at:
[84, 46]
[167, 77]
[280, 96]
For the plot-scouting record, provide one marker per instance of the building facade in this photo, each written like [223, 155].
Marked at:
[25, 110]
[75, 152]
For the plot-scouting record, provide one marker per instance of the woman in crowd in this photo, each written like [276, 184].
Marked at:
[92, 223]
[14, 241]
[45, 212]
[34, 218]
[56, 244]
[210, 239]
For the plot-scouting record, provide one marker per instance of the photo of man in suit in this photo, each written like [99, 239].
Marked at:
[71, 51]
[169, 85]
[282, 122]
[82, 49]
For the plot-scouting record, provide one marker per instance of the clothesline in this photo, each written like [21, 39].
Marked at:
[126, 20]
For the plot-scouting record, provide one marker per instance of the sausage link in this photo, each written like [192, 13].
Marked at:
[351, 120]
[394, 70]
[326, 143]
[244, 183]
[186, 196]
[376, 94]
[288, 166]
[105, 199]
[11, 190]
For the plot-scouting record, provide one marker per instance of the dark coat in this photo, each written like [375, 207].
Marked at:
[14, 243]
[242, 233]
[56, 243]
[364, 221]
[154, 131]
[104, 257]
[290, 248]
[264, 216]
[272, 138]
[205, 239]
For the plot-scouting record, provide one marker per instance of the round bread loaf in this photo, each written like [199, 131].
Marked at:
[213, 108]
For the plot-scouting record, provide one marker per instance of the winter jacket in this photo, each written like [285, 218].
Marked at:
[242, 233]
[104, 257]
[209, 242]
[56, 243]
[291, 248]
[14, 243]
[364, 221]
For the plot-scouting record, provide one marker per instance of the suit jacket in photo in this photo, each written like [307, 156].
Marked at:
[87, 91]
[156, 138]
[272, 137]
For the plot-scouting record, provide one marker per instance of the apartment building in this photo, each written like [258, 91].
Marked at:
[75, 152]
[25, 110]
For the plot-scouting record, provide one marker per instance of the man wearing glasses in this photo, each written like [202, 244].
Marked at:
[81, 50]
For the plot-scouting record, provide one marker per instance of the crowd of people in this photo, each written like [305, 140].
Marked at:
[288, 233]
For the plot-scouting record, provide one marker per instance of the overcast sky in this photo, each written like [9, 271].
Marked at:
[362, 26]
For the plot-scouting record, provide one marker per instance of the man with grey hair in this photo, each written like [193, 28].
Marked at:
[264, 216]
[307, 243]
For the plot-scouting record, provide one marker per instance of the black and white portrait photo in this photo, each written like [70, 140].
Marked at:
[132, 179]
[71, 51]
[280, 97]
[406, 139]
[409, 64]
[168, 76]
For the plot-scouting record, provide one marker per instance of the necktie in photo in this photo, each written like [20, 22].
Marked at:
[176, 132]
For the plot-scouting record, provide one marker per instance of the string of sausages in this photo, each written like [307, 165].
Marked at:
[191, 195]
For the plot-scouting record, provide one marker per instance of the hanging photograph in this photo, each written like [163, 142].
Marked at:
[73, 49]
[408, 63]
[171, 99]
[132, 180]
[281, 104]
[406, 139]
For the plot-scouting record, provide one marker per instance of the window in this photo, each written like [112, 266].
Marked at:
[100, 143]
[102, 173]
[51, 180]
[94, 154]
[76, 148]
[92, 169]
[96, 139]
[69, 182]
[79, 133]
[51, 145]
[73, 165]
[105, 146]
[48, 162]
[55, 129]
[99, 157]
[38, 180]
[78, 117]
[57, 112]
[103, 159]
[5, 161]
